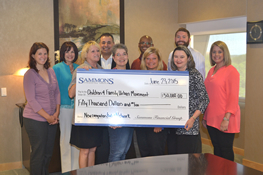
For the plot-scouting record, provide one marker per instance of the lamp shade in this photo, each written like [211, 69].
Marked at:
[21, 72]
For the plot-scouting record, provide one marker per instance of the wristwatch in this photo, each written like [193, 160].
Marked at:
[225, 119]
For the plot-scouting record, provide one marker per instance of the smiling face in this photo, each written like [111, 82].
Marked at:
[180, 60]
[182, 38]
[69, 55]
[106, 44]
[40, 57]
[93, 55]
[145, 43]
[151, 62]
[218, 55]
[121, 58]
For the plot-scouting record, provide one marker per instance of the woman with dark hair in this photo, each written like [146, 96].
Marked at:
[87, 138]
[64, 69]
[188, 139]
[222, 117]
[151, 141]
[42, 108]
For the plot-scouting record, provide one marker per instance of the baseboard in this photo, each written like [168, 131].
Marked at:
[238, 151]
[253, 165]
[10, 166]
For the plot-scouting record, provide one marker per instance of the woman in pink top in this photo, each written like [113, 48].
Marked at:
[222, 116]
[42, 108]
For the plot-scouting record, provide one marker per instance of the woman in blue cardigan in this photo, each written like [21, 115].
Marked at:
[64, 70]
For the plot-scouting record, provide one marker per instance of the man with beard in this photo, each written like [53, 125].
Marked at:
[182, 37]
[144, 43]
[106, 42]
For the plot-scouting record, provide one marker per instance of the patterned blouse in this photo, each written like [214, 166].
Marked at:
[198, 100]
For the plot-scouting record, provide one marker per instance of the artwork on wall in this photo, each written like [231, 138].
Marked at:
[81, 21]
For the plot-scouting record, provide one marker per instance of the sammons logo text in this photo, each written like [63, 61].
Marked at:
[96, 80]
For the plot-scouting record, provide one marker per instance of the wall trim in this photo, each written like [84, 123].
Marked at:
[254, 165]
[10, 166]
[237, 150]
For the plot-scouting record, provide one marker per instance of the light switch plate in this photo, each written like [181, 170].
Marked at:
[3, 92]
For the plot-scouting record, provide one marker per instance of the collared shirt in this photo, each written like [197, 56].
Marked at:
[106, 64]
[199, 60]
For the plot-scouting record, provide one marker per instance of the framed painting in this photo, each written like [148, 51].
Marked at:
[81, 21]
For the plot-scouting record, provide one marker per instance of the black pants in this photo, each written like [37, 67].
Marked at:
[42, 138]
[151, 143]
[222, 142]
[183, 144]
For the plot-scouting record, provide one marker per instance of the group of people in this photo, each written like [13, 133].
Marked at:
[50, 100]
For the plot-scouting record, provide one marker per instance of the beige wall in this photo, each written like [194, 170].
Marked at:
[22, 24]
[28, 21]
[154, 18]
[250, 138]
[25, 22]
[254, 91]
[202, 10]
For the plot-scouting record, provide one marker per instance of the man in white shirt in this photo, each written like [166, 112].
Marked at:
[106, 43]
[182, 37]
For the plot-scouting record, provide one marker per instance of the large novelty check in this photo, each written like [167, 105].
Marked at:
[131, 98]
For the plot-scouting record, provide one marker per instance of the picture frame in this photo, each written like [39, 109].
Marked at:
[85, 20]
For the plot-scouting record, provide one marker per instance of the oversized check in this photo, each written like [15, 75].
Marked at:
[131, 98]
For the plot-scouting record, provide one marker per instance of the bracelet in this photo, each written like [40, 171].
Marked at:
[225, 119]
[194, 117]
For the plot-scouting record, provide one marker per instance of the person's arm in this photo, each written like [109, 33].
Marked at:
[190, 122]
[232, 93]
[58, 100]
[56, 114]
[203, 98]
[72, 91]
[72, 85]
[29, 88]
[225, 122]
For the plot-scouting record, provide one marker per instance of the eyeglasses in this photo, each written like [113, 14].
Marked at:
[147, 43]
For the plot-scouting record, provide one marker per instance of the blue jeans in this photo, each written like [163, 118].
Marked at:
[120, 141]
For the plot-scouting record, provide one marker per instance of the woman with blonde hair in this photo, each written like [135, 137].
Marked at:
[151, 60]
[222, 116]
[151, 141]
[87, 138]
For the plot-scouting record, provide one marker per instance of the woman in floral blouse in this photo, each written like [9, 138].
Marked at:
[188, 139]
